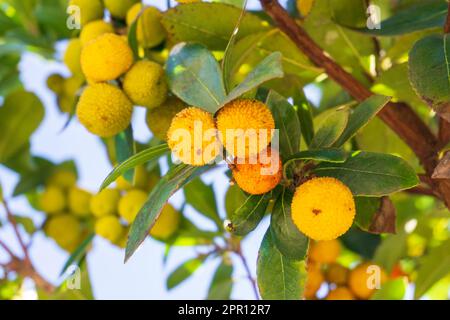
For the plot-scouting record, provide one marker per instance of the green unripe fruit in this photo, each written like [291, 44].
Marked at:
[52, 200]
[65, 229]
[119, 8]
[159, 119]
[150, 31]
[105, 203]
[89, 10]
[109, 228]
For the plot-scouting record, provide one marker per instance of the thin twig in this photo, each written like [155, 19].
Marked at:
[7, 249]
[422, 191]
[13, 222]
[249, 273]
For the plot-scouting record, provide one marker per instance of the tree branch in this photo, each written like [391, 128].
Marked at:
[447, 21]
[398, 116]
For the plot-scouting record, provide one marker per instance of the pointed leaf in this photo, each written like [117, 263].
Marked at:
[78, 254]
[201, 197]
[184, 271]
[222, 282]
[125, 149]
[333, 124]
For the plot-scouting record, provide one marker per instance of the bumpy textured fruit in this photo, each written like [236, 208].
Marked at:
[304, 6]
[119, 8]
[104, 110]
[260, 177]
[62, 178]
[337, 274]
[167, 223]
[52, 200]
[145, 84]
[90, 10]
[363, 280]
[340, 293]
[93, 30]
[105, 202]
[106, 58]
[323, 208]
[245, 127]
[159, 119]
[79, 200]
[109, 228]
[55, 82]
[131, 203]
[192, 137]
[313, 281]
[65, 229]
[150, 31]
[325, 251]
[72, 56]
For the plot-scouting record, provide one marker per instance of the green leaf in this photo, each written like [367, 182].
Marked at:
[426, 15]
[433, 267]
[332, 155]
[332, 124]
[201, 197]
[287, 122]
[289, 240]
[360, 242]
[249, 214]
[201, 23]
[138, 159]
[195, 77]
[27, 223]
[366, 207]
[376, 215]
[391, 250]
[132, 39]
[222, 282]
[305, 115]
[79, 253]
[175, 179]
[266, 70]
[184, 271]
[371, 174]
[429, 72]
[391, 290]
[278, 276]
[360, 116]
[125, 149]
[20, 116]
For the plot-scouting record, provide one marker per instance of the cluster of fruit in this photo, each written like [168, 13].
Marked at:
[74, 213]
[343, 283]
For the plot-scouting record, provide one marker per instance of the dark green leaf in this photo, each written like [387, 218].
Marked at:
[175, 179]
[201, 197]
[222, 282]
[125, 149]
[305, 115]
[361, 242]
[278, 276]
[376, 215]
[371, 174]
[433, 267]
[360, 116]
[195, 77]
[266, 70]
[138, 159]
[132, 39]
[20, 116]
[332, 124]
[78, 254]
[184, 271]
[429, 72]
[287, 122]
[289, 240]
[429, 14]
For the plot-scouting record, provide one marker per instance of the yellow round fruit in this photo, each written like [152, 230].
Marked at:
[150, 32]
[104, 110]
[55, 82]
[145, 84]
[105, 203]
[192, 137]
[72, 56]
[65, 229]
[245, 127]
[79, 200]
[159, 119]
[93, 30]
[314, 281]
[109, 228]
[167, 223]
[119, 8]
[365, 279]
[62, 178]
[259, 177]
[337, 274]
[123, 184]
[106, 58]
[325, 251]
[52, 200]
[323, 208]
[304, 6]
[131, 203]
[89, 10]
[340, 293]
